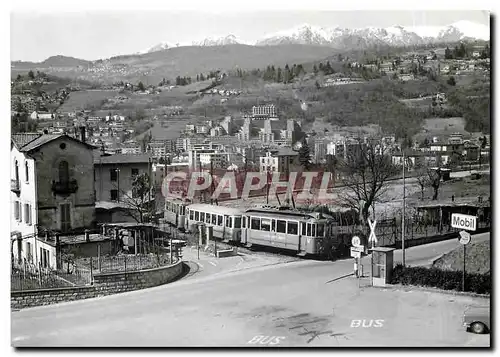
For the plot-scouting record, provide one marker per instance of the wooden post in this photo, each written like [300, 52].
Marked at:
[171, 251]
[91, 271]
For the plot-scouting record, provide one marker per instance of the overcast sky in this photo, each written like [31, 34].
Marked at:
[95, 35]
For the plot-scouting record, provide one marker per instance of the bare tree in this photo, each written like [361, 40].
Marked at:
[434, 181]
[422, 181]
[137, 201]
[429, 177]
[365, 173]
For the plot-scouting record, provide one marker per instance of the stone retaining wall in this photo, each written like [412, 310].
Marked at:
[104, 284]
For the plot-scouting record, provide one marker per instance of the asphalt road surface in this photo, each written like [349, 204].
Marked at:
[304, 303]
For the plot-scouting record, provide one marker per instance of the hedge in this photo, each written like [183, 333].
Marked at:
[441, 279]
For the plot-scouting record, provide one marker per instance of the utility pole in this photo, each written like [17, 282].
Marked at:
[404, 212]
[211, 181]
[149, 191]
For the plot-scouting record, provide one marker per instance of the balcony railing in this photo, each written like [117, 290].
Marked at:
[64, 188]
[14, 185]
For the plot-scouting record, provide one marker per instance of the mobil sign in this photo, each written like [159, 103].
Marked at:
[463, 221]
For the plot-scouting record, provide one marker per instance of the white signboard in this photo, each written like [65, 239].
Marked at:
[372, 237]
[359, 248]
[463, 221]
[355, 241]
[355, 254]
[464, 237]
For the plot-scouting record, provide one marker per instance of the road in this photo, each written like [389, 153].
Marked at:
[303, 303]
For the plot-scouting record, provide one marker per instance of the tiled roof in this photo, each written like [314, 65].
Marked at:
[43, 139]
[39, 140]
[122, 159]
[24, 138]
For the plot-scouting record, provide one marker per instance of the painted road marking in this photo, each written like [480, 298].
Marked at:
[213, 263]
[266, 340]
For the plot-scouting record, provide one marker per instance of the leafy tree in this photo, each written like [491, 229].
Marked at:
[448, 53]
[19, 78]
[485, 53]
[140, 86]
[451, 81]
[305, 154]
[484, 142]
[315, 69]
[202, 78]
[317, 85]
[31, 75]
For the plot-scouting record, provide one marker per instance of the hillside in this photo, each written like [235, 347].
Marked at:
[190, 61]
[477, 254]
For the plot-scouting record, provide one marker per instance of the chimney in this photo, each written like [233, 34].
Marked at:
[82, 133]
[87, 236]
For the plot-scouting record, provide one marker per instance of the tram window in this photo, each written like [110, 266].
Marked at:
[229, 222]
[303, 228]
[219, 220]
[207, 218]
[237, 222]
[313, 230]
[255, 223]
[202, 216]
[196, 215]
[265, 225]
[293, 228]
[321, 230]
[214, 219]
[280, 226]
[191, 214]
[273, 226]
[309, 229]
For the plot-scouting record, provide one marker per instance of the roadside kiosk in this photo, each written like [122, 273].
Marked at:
[382, 265]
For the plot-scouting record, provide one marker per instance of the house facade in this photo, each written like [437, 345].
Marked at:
[114, 175]
[281, 160]
[50, 191]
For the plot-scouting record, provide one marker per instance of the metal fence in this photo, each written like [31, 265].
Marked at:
[27, 276]
[127, 262]
[80, 271]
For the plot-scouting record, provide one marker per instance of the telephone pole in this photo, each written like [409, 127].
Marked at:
[404, 212]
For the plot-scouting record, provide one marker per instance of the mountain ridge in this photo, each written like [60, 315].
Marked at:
[341, 37]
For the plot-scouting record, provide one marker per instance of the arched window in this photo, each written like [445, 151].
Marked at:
[26, 172]
[16, 169]
[63, 172]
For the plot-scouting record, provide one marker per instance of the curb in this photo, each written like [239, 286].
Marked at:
[433, 290]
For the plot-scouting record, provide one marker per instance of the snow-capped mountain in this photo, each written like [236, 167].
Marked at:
[219, 41]
[394, 35]
[346, 38]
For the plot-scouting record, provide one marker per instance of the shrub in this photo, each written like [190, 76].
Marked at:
[442, 279]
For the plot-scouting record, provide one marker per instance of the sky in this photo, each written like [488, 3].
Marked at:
[92, 35]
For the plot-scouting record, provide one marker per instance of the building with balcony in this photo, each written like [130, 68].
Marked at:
[50, 190]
